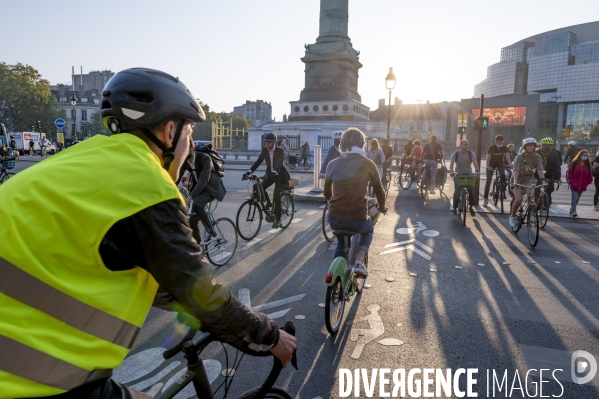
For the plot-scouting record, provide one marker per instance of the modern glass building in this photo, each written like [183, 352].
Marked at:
[562, 66]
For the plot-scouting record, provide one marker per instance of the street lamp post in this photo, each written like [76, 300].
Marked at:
[73, 100]
[390, 84]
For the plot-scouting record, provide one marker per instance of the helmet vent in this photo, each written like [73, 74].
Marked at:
[141, 97]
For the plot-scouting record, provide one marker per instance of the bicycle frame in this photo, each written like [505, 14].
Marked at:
[340, 268]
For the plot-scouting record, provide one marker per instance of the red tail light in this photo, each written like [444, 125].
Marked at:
[329, 277]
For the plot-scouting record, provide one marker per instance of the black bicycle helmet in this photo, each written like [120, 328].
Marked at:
[498, 137]
[143, 98]
[270, 137]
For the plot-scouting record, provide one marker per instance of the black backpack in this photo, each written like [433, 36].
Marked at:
[217, 162]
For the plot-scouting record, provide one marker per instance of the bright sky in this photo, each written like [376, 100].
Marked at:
[230, 51]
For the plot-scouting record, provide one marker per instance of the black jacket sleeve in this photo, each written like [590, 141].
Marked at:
[258, 162]
[332, 154]
[159, 240]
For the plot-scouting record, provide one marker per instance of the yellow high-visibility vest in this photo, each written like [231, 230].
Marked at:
[65, 319]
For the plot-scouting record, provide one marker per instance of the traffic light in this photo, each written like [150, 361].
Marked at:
[481, 123]
[39, 125]
[33, 128]
[461, 130]
[82, 128]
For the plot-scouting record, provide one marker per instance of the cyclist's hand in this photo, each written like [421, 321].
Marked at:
[489, 168]
[452, 174]
[383, 210]
[284, 348]
[246, 175]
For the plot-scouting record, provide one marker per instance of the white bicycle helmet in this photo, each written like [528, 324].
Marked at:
[529, 140]
[337, 134]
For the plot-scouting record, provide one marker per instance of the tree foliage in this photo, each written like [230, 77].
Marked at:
[95, 126]
[26, 98]
[203, 130]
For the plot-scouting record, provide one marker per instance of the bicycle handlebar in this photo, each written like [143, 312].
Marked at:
[198, 344]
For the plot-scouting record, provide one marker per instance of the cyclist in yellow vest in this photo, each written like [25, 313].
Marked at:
[97, 234]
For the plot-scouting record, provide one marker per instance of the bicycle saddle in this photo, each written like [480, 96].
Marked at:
[348, 233]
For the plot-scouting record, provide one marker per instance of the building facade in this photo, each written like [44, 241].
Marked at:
[88, 91]
[259, 112]
[561, 67]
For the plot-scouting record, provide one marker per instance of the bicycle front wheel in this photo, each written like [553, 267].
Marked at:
[327, 231]
[221, 252]
[287, 209]
[464, 206]
[495, 192]
[361, 281]
[387, 183]
[544, 209]
[501, 194]
[533, 225]
[249, 220]
[334, 306]
[273, 393]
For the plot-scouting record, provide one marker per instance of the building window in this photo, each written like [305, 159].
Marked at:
[83, 115]
[325, 108]
[345, 107]
[430, 126]
[335, 108]
[419, 128]
[411, 126]
[84, 99]
[306, 108]
[296, 109]
[315, 108]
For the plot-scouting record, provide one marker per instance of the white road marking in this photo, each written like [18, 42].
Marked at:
[228, 372]
[411, 248]
[322, 206]
[366, 335]
[413, 240]
[297, 220]
[413, 274]
[153, 380]
[276, 315]
[389, 279]
[390, 342]
[312, 213]
[244, 297]
[280, 302]
[430, 233]
[273, 231]
[138, 365]
[404, 230]
[220, 256]
[300, 317]
[154, 390]
[254, 241]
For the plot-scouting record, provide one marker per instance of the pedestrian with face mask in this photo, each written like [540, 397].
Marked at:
[579, 177]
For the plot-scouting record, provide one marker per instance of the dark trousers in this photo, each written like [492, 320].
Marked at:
[277, 194]
[596, 197]
[550, 189]
[199, 214]
[456, 194]
[490, 174]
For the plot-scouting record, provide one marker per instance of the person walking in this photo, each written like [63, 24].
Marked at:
[596, 175]
[304, 152]
[579, 177]
[573, 150]
[376, 155]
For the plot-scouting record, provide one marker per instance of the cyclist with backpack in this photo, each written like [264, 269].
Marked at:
[127, 247]
[498, 157]
[463, 159]
[208, 187]
[334, 152]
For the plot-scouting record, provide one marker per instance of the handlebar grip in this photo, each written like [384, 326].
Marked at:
[289, 328]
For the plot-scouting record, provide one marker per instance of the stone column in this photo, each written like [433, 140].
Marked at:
[333, 19]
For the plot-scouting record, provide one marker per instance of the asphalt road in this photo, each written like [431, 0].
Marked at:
[505, 306]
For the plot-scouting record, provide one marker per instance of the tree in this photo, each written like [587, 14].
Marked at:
[26, 98]
[95, 126]
[203, 130]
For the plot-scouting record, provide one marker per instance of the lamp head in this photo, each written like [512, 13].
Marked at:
[390, 80]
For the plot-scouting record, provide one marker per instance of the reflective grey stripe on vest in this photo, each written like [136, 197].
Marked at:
[25, 288]
[31, 364]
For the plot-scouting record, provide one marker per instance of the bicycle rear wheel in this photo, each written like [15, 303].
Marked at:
[533, 225]
[249, 220]
[287, 209]
[334, 306]
[221, 252]
[544, 209]
[307, 163]
[327, 231]
[387, 184]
